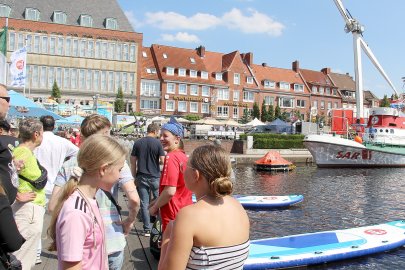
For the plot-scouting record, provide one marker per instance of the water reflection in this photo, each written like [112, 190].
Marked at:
[333, 199]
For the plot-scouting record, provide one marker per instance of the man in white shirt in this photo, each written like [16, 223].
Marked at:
[53, 151]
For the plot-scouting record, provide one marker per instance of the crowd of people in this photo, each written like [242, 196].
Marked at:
[77, 183]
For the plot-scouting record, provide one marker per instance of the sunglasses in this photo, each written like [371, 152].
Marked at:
[6, 99]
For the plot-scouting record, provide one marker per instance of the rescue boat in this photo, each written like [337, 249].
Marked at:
[273, 161]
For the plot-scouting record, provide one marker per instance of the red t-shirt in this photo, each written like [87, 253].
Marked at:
[171, 176]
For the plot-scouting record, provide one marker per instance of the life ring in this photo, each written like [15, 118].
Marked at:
[375, 231]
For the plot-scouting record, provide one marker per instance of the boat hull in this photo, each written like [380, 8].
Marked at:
[343, 153]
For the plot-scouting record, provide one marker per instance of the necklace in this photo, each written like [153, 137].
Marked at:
[202, 197]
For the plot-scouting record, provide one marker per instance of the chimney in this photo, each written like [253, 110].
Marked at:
[264, 64]
[248, 58]
[201, 51]
[325, 71]
[296, 66]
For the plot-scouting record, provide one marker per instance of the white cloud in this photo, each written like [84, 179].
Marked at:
[255, 23]
[131, 17]
[173, 20]
[182, 37]
[252, 23]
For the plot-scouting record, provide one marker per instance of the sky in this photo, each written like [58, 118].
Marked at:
[279, 32]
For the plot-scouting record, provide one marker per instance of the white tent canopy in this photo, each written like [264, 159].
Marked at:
[255, 122]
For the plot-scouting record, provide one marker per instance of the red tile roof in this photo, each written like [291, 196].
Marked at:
[343, 81]
[316, 77]
[147, 62]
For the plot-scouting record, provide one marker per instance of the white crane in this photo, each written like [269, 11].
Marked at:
[352, 25]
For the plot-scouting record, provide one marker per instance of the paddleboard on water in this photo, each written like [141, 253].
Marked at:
[322, 247]
[262, 202]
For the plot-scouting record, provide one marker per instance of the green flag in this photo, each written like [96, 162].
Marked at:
[3, 55]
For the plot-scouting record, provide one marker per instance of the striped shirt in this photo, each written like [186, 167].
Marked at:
[225, 258]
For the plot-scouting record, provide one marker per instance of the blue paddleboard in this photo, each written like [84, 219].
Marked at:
[322, 247]
[266, 202]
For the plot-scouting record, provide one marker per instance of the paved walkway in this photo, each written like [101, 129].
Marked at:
[137, 254]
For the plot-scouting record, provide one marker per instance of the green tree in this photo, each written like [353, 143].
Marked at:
[56, 95]
[385, 102]
[119, 105]
[256, 111]
[270, 113]
[246, 116]
[277, 112]
[192, 117]
[264, 116]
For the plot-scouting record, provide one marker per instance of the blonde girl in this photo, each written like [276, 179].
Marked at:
[76, 226]
[213, 233]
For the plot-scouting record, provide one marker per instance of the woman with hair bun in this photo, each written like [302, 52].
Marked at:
[213, 233]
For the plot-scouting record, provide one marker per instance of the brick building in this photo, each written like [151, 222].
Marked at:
[88, 47]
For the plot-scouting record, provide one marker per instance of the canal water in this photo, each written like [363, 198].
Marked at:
[333, 199]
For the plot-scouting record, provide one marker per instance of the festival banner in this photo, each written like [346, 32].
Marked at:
[18, 67]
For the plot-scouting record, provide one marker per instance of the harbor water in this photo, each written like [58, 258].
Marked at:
[333, 199]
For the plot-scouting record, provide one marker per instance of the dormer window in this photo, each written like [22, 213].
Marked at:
[144, 54]
[182, 72]
[218, 76]
[269, 84]
[192, 60]
[151, 70]
[86, 20]
[284, 85]
[165, 56]
[111, 23]
[193, 73]
[204, 74]
[32, 14]
[169, 71]
[59, 17]
[298, 87]
[249, 80]
[5, 11]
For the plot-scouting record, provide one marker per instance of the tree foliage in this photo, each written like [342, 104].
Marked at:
[56, 95]
[385, 102]
[277, 112]
[119, 105]
[246, 116]
[256, 111]
[270, 113]
[192, 117]
[264, 114]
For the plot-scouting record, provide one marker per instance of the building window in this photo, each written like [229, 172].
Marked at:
[104, 50]
[194, 90]
[205, 91]
[321, 90]
[82, 48]
[286, 102]
[12, 41]
[59, 17]
[269, 84]
[73, 78]
[218, 76]
[171, 88]
[90, 49]
[314, 89]
[103, 80]
[329, 105]
[248, 96]
[118, 55]
[35, 75]
[223, 94]
[222, 111]
[75, 47]
[132, 53]
[52, 45]
[150, 88]
[165, 56]
[235, 95]
[182, 89]
[193, 73]
[284, 85]
[182, 72]
[327, 90]
[268, 100]
[28, 39]
[335, 105]
[82, 79]
[88, 79]
[170, 105]
[32, 14]
[96, 80]
[110, 82]
[66, 78]
[36, 44]
[192, 60]
[144, 54]
[21, 41]
[51, 76]
[125, 52]
[334, 92]
[298, 87]
[60, 47]
[194, 107]
[205, 108]
[235, 112]
[111, 51]
[169, 71]
[300, 103]
[182, 106]
[149, 104]
[249, 80]
[204, 74]
[86, 20]
[151, 70]
[132, 82]
[67, 46]
[111, 23]
[44, 44]
[322, 105]
[315, 104]
[117, 81]
[42, 82]
[236, 78]
[5, 11]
